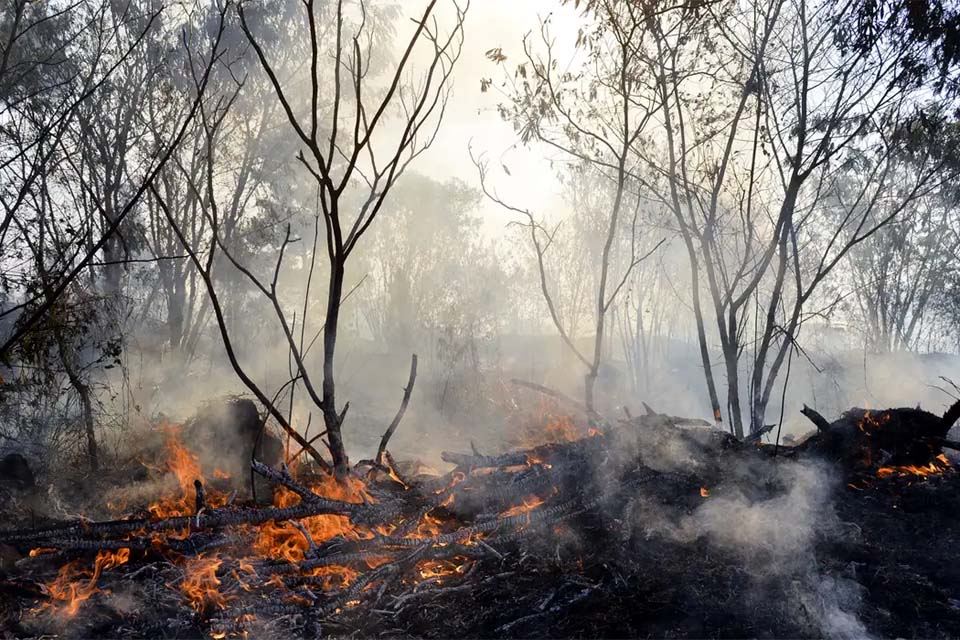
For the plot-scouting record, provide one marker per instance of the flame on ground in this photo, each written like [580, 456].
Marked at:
[437, 570]
[529, 504]
[281, 540]
[201, 582]
[75, 585]
[184, 465]
[201, 585]
[271, 540]
[935, 467]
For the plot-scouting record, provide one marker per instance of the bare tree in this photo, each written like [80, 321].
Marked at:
[66, 268]
[347, 147]
[594, 117]
[897, 274]
[749, 169]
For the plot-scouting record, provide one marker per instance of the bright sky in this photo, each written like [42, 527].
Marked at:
[472, 115]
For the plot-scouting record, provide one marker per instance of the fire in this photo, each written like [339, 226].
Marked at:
[184, 465]
[870, 423]
[529, 504]
[201, 582]
[704, 492]
[560, 429]
[438, 569]
[936, 466]
[334, 576]
[201, 585]
[549, 427]
[428, 527]
[75, 585]
[282, 541]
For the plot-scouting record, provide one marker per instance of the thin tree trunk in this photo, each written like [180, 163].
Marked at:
[83, 392]
[331, 417]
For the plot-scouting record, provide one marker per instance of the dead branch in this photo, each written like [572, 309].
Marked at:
[817, 419]
[403, 409]
[951, 415]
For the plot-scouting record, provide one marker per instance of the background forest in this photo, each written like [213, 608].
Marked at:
[725, 208]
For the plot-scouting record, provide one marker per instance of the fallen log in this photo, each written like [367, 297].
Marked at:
[476, 461]
[209, 519]
[864, 440]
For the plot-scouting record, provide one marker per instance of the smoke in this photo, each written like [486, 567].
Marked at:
[769, 535]
[770, 518]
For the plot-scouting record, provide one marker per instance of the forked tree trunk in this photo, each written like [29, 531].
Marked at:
[86, 405]
[733, 389]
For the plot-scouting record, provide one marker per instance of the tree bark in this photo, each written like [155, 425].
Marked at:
[86, 405]
[332, 419]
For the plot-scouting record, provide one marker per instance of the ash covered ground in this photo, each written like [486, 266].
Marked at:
[650, 528]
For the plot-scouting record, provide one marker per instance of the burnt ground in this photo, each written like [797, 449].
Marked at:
[718, 541]
[906, 556]
[892, 564]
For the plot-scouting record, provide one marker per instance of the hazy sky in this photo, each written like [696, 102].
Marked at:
[472, 115]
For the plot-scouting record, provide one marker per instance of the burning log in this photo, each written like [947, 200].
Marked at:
[883, 442]
[209, 519]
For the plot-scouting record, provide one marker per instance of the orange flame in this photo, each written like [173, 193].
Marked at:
[74, 585]
[282, 541]
[936, 466]
[201, 585]
[549, 427]
[529, 504]
[438, 569]
[185, 466]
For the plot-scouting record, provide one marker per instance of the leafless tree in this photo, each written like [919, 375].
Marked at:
[346, 146]
[594, 117]
[898, 273]
[66, 268]
[749, 169]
